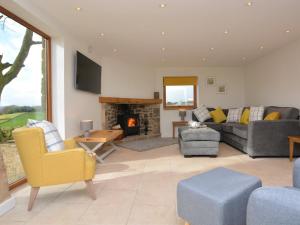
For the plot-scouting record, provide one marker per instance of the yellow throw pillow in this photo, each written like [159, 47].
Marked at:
[273, 116]
[245, 117]
[218, 115]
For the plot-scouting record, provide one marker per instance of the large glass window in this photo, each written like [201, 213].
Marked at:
[24, 83]
[180, 92]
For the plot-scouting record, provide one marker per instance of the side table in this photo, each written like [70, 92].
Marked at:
[178, 124]
[292, 141]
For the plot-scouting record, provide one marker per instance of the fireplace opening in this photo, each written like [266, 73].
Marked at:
[130, 123]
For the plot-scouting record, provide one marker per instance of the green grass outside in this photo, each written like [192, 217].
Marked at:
[5, 117]
[20, 119]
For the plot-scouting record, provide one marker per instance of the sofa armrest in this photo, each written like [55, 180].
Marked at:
[269, 138]
[274, 206]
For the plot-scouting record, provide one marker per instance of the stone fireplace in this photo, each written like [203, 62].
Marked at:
[135, 118]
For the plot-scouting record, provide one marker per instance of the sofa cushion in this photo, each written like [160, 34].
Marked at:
[199, 134]
[213, 125]
[245, 116]
[218, 115]
[273, 116]
[285, 112]
[228, 127]
[234, 115]
[202, 113]
[241, 131]
[256, 113]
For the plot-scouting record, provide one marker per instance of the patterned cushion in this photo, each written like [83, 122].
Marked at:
[256, 113]
[234, 115]
[53, 140]
[202, 113]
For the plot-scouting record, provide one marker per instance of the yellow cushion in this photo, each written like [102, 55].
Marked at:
[245, 117]
[273, 116]
[218, 115]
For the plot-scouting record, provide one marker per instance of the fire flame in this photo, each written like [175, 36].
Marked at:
[131, 122]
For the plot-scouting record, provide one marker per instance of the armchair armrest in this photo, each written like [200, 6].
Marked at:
[274, 206]
[269, 138]
[63, 166]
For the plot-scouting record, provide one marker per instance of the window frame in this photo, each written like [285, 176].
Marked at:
[48, 67]
[177, 107]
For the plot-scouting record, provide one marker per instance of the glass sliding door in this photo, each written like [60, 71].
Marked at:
[25, 87]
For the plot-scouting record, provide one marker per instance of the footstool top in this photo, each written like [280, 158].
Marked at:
[199, 134]
[220, 184]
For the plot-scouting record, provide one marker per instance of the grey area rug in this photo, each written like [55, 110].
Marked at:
[147, 144]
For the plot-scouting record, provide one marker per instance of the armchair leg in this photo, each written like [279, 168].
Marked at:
[186, 223]
[33, 193]
[90, 189]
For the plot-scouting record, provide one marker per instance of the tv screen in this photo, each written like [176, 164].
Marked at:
[88, 74]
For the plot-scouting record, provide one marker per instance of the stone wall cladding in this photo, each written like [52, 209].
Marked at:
[151, 112]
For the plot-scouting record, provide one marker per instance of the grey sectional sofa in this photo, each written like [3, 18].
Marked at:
[261, 138]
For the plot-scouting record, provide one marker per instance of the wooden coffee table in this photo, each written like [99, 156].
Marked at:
[100, 137]
[292, 141]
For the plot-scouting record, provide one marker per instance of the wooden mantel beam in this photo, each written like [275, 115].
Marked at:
[113, 100]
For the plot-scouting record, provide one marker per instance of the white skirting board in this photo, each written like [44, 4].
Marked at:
[7, 205]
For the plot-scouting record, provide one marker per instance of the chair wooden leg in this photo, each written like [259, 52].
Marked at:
[33, 193]
[90, 189]
[186, 223]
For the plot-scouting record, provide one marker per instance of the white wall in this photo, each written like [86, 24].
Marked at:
[275, 78]
[119, 79]
[232, 77]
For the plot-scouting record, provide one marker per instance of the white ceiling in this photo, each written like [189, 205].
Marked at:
[191, 27]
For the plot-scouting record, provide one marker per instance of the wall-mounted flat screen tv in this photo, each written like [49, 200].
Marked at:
[88, 74]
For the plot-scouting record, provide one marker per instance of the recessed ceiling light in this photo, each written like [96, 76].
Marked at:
[288, 31]
[244, 58]
[163, 49]
[203, 59]
[163, 33]
[249, 3]
[226, 32]
[101, 35]
[261, 47]
[78, 9]
[115, 50]
[212, 49]
[163, 5]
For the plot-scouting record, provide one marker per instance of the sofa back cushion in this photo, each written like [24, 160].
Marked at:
[286, 113]
[194, 118]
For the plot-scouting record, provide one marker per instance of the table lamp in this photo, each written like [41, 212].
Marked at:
[86, 126]
[182, 114]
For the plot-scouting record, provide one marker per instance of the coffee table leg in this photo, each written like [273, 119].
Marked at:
[291, 150]
[108, 152]
[93, 150]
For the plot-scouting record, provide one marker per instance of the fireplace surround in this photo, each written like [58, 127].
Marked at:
[134, 119]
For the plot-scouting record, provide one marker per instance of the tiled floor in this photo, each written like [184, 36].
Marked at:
[136, 188]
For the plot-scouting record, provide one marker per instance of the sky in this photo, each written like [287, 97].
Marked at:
[26, 88]
[179, 93]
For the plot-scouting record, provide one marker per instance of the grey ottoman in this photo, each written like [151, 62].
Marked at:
[200, 141]
[217, 197]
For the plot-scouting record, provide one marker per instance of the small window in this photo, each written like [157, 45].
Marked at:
[180, 92]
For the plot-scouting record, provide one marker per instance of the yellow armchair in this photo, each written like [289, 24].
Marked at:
[44, 168]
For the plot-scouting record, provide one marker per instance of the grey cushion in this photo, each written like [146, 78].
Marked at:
[241, 131]
[285, 112]
[199, 134]
[228, 127]
[217, 197]
[213, 125]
